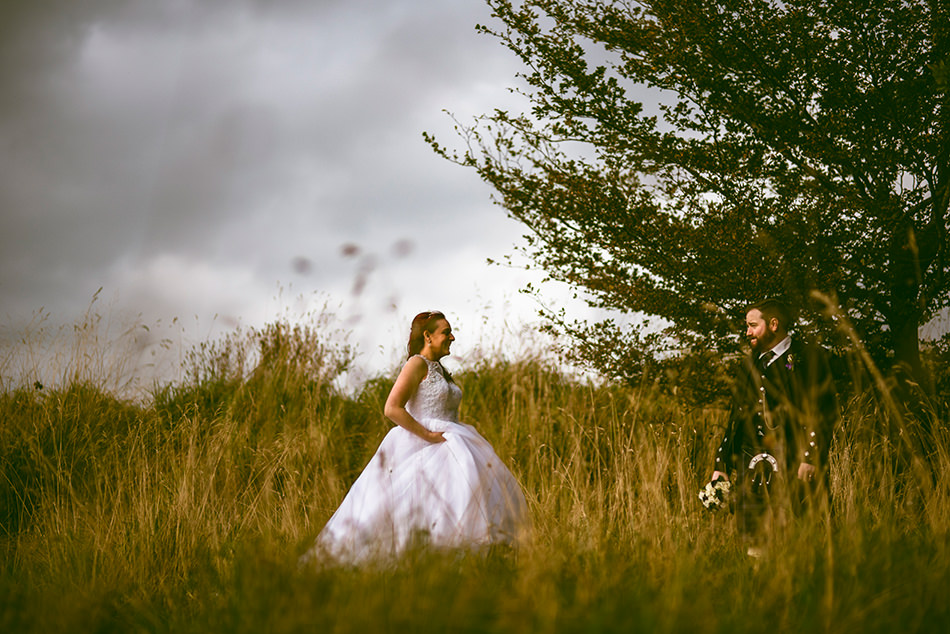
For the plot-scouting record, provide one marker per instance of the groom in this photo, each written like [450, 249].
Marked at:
[780, 425]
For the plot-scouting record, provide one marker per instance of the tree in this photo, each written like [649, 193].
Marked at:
[791, 149]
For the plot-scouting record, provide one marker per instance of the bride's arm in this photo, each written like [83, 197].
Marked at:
[406, 385]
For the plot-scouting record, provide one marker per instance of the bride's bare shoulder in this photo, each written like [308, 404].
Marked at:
[415, 367]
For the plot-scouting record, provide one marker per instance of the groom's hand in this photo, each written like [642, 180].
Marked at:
[806, 472]
[719, 474]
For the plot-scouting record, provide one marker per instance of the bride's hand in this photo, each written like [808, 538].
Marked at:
[435, 437]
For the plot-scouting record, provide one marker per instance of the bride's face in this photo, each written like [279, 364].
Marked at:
[440, 340]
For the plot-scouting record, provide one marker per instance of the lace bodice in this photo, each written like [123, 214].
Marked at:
[436, 397]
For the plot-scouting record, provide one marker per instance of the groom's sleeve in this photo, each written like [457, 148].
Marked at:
[820, 408]
[728, 446]
[736, 427]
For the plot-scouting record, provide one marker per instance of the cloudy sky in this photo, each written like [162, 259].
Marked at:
[226, 162]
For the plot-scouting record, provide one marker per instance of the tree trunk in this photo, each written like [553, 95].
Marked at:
[914, 389]
[905, 314]
[907, 347]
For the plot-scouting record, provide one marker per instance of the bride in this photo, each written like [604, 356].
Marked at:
[433, 480]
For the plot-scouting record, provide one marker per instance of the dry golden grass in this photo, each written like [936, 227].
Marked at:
[186, 512]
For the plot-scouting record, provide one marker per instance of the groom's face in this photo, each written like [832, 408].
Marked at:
[761, 333]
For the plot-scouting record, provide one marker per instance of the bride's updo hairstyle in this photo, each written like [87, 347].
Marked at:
[421, 324]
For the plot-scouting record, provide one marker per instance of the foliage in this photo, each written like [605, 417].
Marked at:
[938, 356]
[683, 158]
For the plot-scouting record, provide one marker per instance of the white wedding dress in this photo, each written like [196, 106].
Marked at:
[454, 494]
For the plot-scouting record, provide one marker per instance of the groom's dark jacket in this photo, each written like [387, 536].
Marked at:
[788, 410]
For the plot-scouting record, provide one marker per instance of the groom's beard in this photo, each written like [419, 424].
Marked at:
[766, 342]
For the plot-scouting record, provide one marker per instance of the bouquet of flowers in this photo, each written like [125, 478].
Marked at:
[715, 495]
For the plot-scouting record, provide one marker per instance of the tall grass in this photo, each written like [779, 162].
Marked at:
[186, 511]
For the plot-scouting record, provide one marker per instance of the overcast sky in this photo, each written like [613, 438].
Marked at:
[215, 158]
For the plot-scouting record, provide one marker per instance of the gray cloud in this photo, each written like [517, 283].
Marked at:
[191, 156]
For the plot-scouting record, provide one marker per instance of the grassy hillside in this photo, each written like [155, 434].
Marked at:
[186, 511]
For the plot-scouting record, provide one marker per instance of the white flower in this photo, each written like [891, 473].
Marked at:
[715, 496]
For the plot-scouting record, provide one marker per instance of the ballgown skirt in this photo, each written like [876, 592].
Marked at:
[454, 494]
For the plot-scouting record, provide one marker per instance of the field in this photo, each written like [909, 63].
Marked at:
[186, 511]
